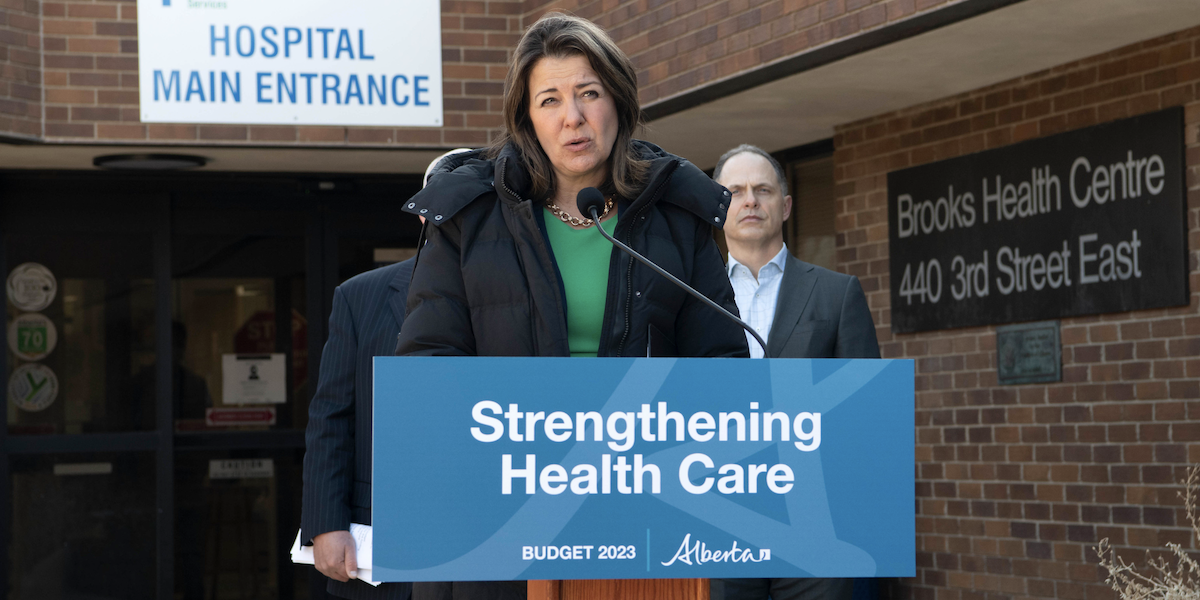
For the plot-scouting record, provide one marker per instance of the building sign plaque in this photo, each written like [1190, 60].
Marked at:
[290, 62]
[1084, 222]
[1028, 353]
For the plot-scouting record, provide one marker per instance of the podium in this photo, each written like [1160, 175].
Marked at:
[645, 478]
[625, 589]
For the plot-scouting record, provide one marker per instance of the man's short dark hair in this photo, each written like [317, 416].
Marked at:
[783, 186]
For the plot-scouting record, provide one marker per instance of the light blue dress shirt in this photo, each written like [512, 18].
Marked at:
[756, 298]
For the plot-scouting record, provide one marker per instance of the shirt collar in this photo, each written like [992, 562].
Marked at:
[779, 261]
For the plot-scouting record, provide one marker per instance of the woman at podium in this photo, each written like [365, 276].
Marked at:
[511, 266]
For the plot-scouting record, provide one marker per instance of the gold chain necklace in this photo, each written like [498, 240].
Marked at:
[575, 221]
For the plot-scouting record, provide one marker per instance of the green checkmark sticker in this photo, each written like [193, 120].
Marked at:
[34, 386]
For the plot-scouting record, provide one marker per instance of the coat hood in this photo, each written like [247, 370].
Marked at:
[460, 179]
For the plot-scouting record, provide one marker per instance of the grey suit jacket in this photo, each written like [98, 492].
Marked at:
[368, 311]
[820, 314]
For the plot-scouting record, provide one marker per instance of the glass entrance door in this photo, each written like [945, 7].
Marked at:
[164, 342]
[240, 381]
[78, 475]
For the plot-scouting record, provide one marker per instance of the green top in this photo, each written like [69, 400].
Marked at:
[582, 256]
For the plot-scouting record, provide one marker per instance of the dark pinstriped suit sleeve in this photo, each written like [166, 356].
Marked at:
[329, 440]
[366, 316]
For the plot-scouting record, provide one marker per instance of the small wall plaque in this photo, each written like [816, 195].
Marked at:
[1029, 353]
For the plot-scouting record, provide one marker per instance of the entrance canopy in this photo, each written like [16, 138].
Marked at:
[810, 94]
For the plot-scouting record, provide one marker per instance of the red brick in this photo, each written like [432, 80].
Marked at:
[172, 132]
[70, 96]
[68, 27]
[70, 130]
[94, 45]
[117, 97]
[116, 28]
[322, 134]
[117, 63]
[120, 131]
[468, 72]
[223, 132]
[481, 56]
[95, 113]
[464, 6]
[362, 135]
[463, 38]
[69, 61]
[94, 79]
[263, 133]
[485, 23]
[90, 10]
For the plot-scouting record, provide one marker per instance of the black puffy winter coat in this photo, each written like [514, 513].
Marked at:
[486, 282]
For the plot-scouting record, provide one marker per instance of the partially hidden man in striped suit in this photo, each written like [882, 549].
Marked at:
[368, 311]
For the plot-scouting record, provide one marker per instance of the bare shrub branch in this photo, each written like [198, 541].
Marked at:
[1160, 578]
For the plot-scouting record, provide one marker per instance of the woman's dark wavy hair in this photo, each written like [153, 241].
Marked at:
[557, 35]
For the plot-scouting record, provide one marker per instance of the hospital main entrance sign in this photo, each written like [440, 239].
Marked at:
[290, 62]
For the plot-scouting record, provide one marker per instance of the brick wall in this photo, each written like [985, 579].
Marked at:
[90, 53]
[91, 82]
[20, 69]
[678, 45]
[1015, 484]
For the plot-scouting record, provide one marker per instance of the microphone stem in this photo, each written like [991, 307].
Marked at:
[675, 280]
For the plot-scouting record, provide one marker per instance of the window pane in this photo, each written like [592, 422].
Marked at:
[241, 335]
[80, 355]
[811, 234]
[236, 516]
[83, 527]
[374, 231]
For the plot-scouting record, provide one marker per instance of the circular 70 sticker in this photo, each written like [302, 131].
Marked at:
[32, 336]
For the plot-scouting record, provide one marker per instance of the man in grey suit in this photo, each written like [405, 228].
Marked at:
[368, 311]
[803, 311]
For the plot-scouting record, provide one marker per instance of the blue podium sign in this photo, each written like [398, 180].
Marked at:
[611, 468]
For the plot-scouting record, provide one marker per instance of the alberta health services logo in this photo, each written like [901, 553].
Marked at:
[697, 553]
[199, 3]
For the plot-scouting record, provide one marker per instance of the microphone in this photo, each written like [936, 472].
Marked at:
[591, 202]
